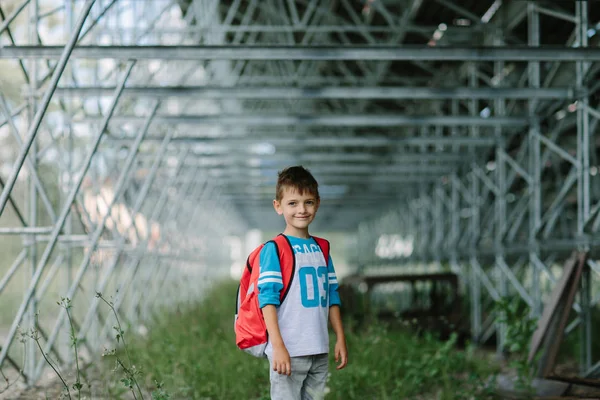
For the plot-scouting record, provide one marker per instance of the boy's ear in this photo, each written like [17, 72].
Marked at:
[277, 207]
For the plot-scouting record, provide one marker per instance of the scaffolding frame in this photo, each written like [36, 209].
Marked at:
[498, 198]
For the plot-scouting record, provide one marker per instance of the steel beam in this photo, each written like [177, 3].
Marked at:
[267, 160]
[337, 169]
[330, 179]
[320, 141]
[300, 28]
[269, 53]
[320, 120]
[325, 92]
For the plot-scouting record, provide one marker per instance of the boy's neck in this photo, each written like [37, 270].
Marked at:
[299, 233]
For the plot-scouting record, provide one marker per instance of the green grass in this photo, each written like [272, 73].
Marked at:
[193, 352]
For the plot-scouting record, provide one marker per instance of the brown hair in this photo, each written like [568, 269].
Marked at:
[296, 177]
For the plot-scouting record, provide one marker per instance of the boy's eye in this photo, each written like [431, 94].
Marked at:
[310, 202]
[292, 203]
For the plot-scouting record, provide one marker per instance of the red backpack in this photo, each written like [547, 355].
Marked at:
[250, 329]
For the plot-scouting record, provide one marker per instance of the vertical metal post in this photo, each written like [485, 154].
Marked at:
[500, 200]
[474, 226]
[30, 349]
[364, 250]
[69, 8]
[439, 222]
[65, 178]
[455, 229]
[534, 166]
[585, 327]
[583, 185]
[411, 226]
[424, 234]
[501, 228]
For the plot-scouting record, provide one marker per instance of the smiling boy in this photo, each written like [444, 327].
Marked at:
[298, 343]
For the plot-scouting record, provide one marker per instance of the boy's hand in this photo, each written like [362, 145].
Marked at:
[281, 361]
[341, 353]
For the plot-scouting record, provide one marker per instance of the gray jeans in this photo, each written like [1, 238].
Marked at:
[307, 382]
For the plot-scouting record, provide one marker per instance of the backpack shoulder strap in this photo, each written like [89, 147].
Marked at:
[253, 257]
[283, 245]
[287, 262]
[325, 247]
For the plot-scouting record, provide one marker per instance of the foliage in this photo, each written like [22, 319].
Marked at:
[193, 350]
[129, 379]
[515, 314]
[191, 353]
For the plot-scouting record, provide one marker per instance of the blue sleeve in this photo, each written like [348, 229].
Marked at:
[334, 296]
[270, 282]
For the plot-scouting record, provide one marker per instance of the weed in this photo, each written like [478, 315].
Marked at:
[515, 314]
[159, 393]
[23, 337]
[66, 304]
[34, 334]
[131, 372]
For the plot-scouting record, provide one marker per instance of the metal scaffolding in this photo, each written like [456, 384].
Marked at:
[139, 136]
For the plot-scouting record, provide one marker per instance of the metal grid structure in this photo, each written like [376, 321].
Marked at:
[145, 133]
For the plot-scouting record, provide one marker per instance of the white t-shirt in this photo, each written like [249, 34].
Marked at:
[303, 315]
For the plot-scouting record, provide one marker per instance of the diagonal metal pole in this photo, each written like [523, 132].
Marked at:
[126, 279]
[33, 129]
[202, 191]
[139, 255]
[30, 163]
[62, 218]
[13, 268]
[158, 208]
[198, 189]
[12, 16]
[119, 188]
[14, 205]
[95, 21]
[141, 197]
[17, 110]
[172, 288]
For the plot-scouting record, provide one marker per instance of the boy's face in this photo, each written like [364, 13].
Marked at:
[297, 209]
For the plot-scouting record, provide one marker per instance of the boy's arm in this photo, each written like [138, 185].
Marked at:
[341, 350]
[335, 317]
[281, 358]
[270, 284]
